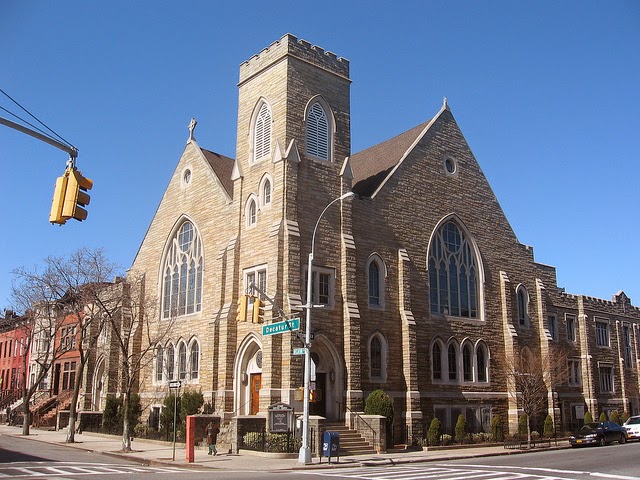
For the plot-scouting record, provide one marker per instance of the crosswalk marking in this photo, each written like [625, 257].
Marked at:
[19, 470]
[454, 472]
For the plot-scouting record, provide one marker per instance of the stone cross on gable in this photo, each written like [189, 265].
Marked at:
[192, 127]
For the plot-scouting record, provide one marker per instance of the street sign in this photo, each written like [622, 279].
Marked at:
[175, 384]
[299, 351]
[281, 327]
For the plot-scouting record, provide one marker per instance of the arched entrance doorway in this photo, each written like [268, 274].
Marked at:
[329, 379]
[98, 386]
[247, 376]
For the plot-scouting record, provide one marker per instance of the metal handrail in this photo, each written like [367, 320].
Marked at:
[366, 423]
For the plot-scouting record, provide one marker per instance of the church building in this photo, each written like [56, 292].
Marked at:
[421, 286]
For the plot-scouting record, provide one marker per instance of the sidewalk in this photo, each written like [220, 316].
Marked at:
[160, 453]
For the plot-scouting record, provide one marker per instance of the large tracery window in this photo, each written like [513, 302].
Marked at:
[182, 284]
[318, 136]
[453, 273]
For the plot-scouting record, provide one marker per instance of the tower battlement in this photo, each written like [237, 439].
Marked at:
[298, 48]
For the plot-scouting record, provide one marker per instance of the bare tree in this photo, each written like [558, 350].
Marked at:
[534, 376]
[63, 292]
[136, 330]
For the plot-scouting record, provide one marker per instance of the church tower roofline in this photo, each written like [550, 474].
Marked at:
[290, 45]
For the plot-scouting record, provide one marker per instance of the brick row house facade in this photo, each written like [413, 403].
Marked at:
[425, 290]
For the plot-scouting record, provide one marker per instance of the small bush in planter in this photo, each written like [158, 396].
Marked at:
[379, 403]
[615, 417]
[497, 429]
[587, 417]
[603, 417]
[522, 425]
[624, 417]
[548, 426]
[434, 432]
[461, 428]
[446, 439]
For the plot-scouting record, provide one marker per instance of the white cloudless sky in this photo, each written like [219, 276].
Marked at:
[546, 94]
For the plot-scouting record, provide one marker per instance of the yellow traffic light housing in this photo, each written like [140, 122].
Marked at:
[258, 310]
[242, 308]
[75, 197]
[55, 216]
[69, 196]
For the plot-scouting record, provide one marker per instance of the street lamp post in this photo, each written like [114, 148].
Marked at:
[305, 450]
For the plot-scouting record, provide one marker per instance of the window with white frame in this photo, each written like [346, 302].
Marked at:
[377, 357]
[552, 327]
[467, 363]
[251, 212]
[482, 362]
[606, 378]
[375, 281]
[195, 360]
[452, 362]
[183, 267]
[159, 363]
[265, 191]
[170, 362]
[322, 286]
[318, 132]
[522, 297]
[255, 276]
[602, 333]
[571, 327]
[262, 133]
[182, 361]
[574, 368]
[626, 345]
[436, 361]
[453, 273]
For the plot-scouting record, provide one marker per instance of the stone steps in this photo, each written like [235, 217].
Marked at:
[351, 442]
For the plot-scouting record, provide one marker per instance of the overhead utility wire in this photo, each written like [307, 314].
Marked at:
[35, 118]
[28, 123]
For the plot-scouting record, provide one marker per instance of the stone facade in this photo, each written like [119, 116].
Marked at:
[416, 192]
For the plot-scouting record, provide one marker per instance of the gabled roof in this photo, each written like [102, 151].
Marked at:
[222, 166]
[371, 167]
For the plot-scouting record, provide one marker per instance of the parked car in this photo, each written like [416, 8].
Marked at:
[633, 427]
[599, 433]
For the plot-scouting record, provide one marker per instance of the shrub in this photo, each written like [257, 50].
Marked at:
[548, 426]
[461, 428]
[379, 403]
[110, 413]
[535, 435]
[615, 417]
[434, 432]
[603, 417]
[522, 425]
[587, 417]
[497, 429]
[624, 417]
[446, 439]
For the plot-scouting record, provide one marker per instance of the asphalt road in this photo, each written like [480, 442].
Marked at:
[22, 458]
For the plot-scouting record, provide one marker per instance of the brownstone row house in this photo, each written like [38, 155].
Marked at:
[426, 290]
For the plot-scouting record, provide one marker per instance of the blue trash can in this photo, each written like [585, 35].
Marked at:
[331, 445]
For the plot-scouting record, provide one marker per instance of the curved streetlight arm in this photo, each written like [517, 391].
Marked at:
[305, 450]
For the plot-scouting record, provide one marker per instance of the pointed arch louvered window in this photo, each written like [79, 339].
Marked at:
[262, 133]
[182, 284]
[318, 138]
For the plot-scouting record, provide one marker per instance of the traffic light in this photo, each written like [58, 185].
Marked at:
[312, 396]
[242, 308]
[55, 216]
[75, 196]
[258, 310]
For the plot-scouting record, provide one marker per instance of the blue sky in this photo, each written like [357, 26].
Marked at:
[546, 93]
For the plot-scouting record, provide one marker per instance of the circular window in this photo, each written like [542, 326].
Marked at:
[259, 359]
[186, 177]
[450, 165]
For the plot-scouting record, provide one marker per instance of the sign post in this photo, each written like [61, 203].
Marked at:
[174, 385]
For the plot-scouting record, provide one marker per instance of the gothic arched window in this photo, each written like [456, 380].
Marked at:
[182, 361]
[453, 273]
[375, 281]
[262, 133]
[436, 361]
[195, 359]
[182, 284]
[318, 132]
